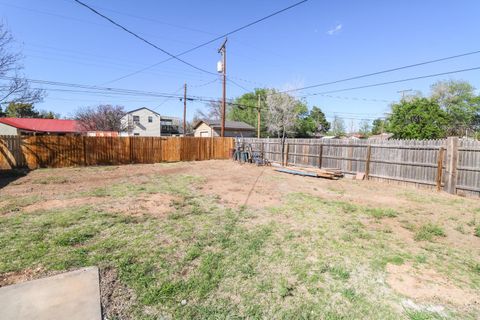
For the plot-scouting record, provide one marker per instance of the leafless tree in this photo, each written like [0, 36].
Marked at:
[13, 86]
[102, 118]
[282, 115]
[213, 112]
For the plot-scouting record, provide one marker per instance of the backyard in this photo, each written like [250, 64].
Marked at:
[216, 239]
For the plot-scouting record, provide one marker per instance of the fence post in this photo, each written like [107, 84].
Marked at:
[320, 151]
[350, 156]
[367, 162]
[441, 153]
[84, 140]
[285, 161]
[451, 168]
[130, 146]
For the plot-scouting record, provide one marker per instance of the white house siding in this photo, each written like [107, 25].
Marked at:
[143, 127]
[204, 130]
[6, 130]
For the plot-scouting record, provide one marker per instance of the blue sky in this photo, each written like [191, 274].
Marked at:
[315, 42]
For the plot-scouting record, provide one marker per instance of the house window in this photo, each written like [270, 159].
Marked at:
[136, 118]
[150, 119]
[136, 134]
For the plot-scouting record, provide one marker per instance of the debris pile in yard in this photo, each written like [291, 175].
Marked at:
[327, 173]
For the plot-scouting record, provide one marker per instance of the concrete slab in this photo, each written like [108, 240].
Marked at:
[73, 295]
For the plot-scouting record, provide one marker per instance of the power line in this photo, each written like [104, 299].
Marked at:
[356, 98]
[141, 38]
[392, 82]
[106, 91]
[208, 42]
[167, 99]
[384, 71]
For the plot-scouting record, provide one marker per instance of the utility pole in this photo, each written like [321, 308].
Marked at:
[185, 110]
[223, 51]
[258, 117]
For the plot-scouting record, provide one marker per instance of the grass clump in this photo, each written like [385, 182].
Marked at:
[477, 231]
[423, 315]
[52, 180]
[379, 213]
[429, 232]
[75, 236]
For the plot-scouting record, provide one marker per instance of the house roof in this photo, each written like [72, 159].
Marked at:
[42, 125]
[229, 125]
[143, 108]
[382, 136]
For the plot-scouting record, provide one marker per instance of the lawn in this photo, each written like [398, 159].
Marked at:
[216, 240]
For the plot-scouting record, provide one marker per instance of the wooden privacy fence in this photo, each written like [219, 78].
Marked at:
[452, 164]
[66, 151]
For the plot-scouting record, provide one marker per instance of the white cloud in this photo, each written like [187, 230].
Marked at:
[335, 30]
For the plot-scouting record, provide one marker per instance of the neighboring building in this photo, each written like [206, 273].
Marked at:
[213, 128]
[102, 134]
[34, 126]
[381, 136]
[170, 126]
[148, 123]
[357, 136]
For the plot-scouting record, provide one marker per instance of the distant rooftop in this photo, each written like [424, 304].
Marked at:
[43, 125]
[233, 125]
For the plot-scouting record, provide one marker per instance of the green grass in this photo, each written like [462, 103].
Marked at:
[379, 213]
[52, 179]
[429, 232]
[423, 315]
[11, 204]
[310, 258]
[477, 231]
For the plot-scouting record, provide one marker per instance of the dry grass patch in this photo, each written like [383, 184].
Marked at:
[174, 241]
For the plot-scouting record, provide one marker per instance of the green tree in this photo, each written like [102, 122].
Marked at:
[48, 115]
[379, 126]
[419, 118]
[459, 101]
[321, 124]
[304, 125]
[2, 114]
[27, 110]
[21, 110]
[245, 108]
[310, 124]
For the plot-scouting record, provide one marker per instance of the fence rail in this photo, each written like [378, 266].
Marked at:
[66, 151]
[452, 164]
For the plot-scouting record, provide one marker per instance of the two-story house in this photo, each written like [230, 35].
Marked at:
[148, 123]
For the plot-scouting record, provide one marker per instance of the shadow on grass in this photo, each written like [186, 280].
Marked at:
[9, 176]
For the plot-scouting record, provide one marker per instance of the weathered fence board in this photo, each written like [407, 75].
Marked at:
[67, 151]
[404, 161]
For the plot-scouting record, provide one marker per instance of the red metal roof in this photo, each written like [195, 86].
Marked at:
[43, 125]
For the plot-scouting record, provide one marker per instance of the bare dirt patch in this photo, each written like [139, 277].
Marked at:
[116, 298]
[427, 285]
[10, 278]
[158, 205]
